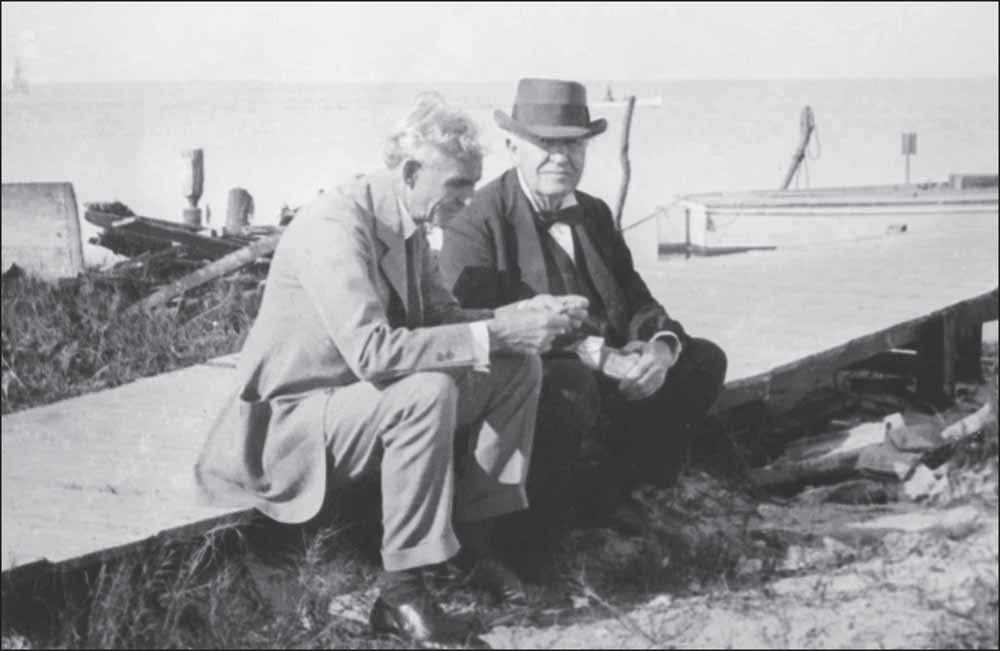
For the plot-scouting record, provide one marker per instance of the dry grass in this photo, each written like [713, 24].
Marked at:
[206, 594]
[66, 340]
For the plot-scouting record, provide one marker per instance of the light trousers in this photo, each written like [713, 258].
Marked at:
[407, 430]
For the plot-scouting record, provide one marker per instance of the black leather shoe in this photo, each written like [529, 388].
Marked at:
[499, 582]
[421, 622]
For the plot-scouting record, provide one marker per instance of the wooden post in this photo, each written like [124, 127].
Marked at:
[626, 165]
[909, 149]
[238, 210]
[937, 350]
[969, 366]
[687, 232]
[807, 124]
[193, 184]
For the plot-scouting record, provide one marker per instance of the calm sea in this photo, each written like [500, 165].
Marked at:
[284, 142]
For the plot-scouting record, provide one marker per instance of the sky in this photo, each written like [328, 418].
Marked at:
[420, 42]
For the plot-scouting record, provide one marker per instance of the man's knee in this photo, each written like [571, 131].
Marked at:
[709, 360]
[523, 371]
[570, 391]
[430, 395]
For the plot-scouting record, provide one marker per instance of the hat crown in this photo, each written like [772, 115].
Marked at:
[550, 108]
[550, 91]
[551, 102]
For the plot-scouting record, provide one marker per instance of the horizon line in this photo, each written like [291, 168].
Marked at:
[505, 81]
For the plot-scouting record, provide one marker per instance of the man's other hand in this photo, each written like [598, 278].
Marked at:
[650, 370]
[528, 331]
[573, 306]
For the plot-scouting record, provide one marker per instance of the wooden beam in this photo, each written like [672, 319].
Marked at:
[786, 384]
[824, 456]
[897, 361]
[938, 353]
[222, 266]
[969, 367]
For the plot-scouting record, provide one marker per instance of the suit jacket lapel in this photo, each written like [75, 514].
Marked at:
[604, 281]
[529, 247]
[388, 229]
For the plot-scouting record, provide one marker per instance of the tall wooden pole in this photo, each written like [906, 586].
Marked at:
[193, 183]
[806, 124]
[626, 165]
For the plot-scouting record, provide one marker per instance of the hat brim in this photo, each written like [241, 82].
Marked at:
[508, 123]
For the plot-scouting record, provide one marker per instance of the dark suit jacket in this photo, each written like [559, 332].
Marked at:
[492, 256]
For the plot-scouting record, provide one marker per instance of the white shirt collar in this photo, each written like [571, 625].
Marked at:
[406, 220]
[568, 201]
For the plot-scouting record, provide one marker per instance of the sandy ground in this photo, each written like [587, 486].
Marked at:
[775, 574]
[919, 588]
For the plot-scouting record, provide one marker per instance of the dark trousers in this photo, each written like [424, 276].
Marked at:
[592, 446]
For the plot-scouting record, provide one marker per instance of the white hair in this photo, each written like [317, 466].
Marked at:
[432, 123]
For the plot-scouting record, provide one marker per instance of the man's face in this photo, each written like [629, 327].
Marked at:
[440, 187]
[550, 167]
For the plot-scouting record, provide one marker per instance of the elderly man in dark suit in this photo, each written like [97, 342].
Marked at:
[531, 232]
[360, 360]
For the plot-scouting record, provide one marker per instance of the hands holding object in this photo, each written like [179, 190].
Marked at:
[531, 325]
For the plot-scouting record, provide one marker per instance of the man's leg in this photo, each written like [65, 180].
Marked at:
[656, 433]
[407, 427]
[567, 413]
[496, 417]
[497, 411]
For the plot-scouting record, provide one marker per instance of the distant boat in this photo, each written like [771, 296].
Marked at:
[18, 82]
[609, 101]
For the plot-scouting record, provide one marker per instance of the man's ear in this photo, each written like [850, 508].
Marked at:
[411, 169]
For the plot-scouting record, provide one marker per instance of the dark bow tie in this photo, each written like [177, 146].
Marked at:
[570, 215]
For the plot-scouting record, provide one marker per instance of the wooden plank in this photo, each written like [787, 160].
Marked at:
[826, 456]
[788, 382]
[226, 264]
[937, 352]
[105, 471]
[968, 366]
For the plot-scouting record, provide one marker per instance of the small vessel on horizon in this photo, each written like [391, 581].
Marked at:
[610, 101]
[18, 84]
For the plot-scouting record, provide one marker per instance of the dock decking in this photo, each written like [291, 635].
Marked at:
[92, 476]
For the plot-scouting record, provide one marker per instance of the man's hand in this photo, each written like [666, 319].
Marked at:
[530, 326]
[650, 370]
[571, 304]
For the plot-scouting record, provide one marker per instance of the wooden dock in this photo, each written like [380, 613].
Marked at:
[95, 476]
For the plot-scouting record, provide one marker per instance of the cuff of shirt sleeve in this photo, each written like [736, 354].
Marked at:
[671, 339]
[481, 345]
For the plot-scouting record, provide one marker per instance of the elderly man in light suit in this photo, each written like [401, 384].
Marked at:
[360, 360]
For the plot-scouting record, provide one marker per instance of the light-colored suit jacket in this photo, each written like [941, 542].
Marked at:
[323, 325]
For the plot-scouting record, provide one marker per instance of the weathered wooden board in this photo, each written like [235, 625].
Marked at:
[103, 471]
[818, 308]
[719, 221]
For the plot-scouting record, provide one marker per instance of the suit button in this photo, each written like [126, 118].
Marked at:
[450, 355]
[440, 357]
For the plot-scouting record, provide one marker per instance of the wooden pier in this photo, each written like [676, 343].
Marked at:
[92, 477]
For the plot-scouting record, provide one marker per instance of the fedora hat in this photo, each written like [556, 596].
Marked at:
[550, 108]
